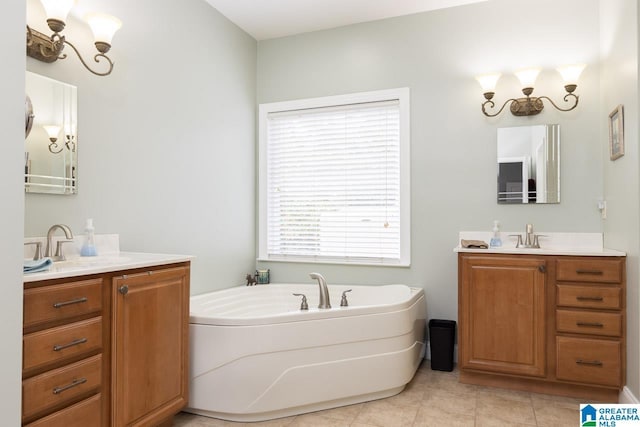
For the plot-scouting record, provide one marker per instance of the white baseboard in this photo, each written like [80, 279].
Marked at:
[627, 397]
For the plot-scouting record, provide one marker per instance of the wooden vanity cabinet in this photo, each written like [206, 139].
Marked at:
[502, 308]
[543, 323]
[150, 332]
[94, 355]
[63, 347]
[590, 321]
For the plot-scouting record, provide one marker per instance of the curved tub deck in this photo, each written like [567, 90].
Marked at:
[256, 356]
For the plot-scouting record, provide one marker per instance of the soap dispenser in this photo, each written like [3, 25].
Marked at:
[89, 246]
[496, 241]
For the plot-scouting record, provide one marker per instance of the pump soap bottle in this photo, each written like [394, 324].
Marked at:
[496, 241]
[89, 246]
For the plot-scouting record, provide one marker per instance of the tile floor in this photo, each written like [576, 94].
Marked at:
[432, 398]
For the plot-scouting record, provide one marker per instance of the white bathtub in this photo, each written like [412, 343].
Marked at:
[256, 356]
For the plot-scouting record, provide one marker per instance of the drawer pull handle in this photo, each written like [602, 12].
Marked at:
[71, 344]
[73, 301]
[589, 362]
[74, 383]
[590, 272]
[579, 298]
[590, 324]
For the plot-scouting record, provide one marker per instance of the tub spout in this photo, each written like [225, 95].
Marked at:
[324, 291]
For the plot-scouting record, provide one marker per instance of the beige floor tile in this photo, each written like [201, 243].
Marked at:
[450, 402]
[382, 413]
[344, 413]
[545, 400]
[515, 395]
[412, 395]
[421, 378]
[451, 384]
[505, 409]
[556, 416]
[317, 419]
[279, 422]
[438, 416]
[184, 419]
[482, 421]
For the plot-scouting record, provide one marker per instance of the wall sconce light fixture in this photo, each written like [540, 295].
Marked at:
[49, 48]
[53, 131]
[530, 105]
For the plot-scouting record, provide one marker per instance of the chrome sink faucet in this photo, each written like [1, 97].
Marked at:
[59, 256]
[324, 291]
[530, 239]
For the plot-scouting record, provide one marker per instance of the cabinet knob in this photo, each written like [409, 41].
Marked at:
[542, 268]
[123, 289]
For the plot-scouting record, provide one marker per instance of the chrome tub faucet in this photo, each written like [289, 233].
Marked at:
[324, 291]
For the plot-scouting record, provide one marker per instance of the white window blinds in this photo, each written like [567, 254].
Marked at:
[333, 184]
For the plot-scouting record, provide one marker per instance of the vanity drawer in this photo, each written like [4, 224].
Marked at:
[83, 414]
[586, 322]
[58, 302]
[589, 297]
[57, 387]
[589, 270]
[590, 361]
[51, 345]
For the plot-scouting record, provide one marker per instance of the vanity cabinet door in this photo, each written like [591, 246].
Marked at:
[502, 314]
[150, 346]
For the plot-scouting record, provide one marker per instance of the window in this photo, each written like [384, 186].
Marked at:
[334, 179]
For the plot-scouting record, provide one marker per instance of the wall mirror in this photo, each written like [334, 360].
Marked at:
[51, 142]
[529, 164]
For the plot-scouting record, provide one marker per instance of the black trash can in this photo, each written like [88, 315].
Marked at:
[442, 334]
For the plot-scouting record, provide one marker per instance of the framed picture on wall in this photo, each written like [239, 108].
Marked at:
[616, 133]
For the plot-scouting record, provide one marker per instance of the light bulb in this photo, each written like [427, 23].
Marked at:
[488, 82]
[528, 77]
[571, 73]
[52, 131]
[57, 9]
[103, 27]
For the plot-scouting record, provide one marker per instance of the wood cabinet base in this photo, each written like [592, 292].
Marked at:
[543, 323]
[590, 394]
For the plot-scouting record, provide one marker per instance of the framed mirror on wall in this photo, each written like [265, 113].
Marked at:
[529, 164]
[51, 141]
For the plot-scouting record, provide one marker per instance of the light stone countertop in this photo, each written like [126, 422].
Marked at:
[80, 266]
[576, 244]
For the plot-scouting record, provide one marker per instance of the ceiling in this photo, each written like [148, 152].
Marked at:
[267, 19]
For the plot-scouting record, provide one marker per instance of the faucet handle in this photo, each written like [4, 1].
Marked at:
[536, 243]
[59, 256]
[343, 301]
[519, 242]
[303, 303]
[37, 255]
